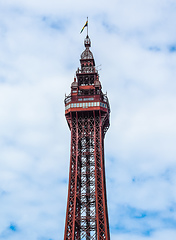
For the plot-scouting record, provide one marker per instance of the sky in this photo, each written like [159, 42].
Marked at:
[134, 41]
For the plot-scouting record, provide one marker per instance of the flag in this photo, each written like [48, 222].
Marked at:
[86, 24]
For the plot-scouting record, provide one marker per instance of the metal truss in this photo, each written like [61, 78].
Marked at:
[87, 217]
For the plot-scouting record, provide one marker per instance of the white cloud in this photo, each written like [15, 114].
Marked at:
[39, 54]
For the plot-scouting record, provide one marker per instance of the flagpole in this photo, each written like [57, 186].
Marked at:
[87, 26]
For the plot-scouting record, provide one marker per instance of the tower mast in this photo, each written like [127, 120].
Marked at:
[87, 113]
[87, 26]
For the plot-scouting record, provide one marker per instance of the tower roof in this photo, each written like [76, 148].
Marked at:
[87, 54]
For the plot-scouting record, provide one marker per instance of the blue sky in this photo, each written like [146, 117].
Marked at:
[135, 43]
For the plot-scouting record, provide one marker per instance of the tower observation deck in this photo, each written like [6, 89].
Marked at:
[87, 113]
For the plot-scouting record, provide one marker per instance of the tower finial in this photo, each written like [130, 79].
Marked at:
[87, 42]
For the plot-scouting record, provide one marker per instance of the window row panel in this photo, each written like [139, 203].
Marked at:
[85, 105]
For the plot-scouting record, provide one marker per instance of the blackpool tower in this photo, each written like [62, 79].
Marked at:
[87, 112]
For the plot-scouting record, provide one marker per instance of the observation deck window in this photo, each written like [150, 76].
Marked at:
[86, 105]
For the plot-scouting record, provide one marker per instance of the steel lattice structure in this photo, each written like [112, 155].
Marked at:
[87, 112]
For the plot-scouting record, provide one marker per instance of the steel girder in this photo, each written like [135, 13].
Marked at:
[87, 217]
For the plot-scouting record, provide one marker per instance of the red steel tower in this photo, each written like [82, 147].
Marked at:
[87, 112]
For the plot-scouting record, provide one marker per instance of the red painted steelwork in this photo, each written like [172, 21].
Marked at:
[87, 112]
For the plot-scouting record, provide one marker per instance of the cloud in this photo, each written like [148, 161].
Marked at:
[134, 42]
